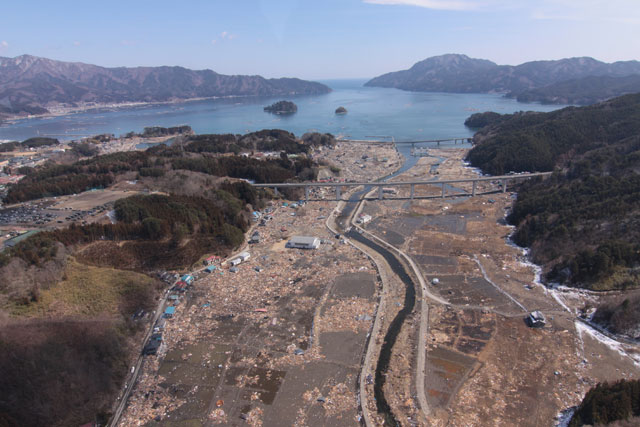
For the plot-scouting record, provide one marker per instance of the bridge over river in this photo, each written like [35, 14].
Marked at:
[389, 189]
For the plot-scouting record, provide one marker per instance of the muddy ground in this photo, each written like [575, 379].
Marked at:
[484, 365]
[282, 346]
[279, 342]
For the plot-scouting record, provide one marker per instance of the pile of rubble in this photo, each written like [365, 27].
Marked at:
[359, 161]
[267, 294]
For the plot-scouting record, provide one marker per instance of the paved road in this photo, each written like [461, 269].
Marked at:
[377, 322]
[133, 377]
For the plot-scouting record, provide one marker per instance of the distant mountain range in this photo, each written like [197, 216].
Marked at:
[564, 80]
[32, 85]
[584, 91]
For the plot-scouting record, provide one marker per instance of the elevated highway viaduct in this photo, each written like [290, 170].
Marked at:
[383, 187]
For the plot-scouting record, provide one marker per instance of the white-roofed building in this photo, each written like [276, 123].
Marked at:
[303, 242]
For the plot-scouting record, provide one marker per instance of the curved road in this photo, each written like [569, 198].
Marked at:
[391, 335]
[392, 256]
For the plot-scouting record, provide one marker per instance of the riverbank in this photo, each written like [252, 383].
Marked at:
[280, 341]
[484, 366]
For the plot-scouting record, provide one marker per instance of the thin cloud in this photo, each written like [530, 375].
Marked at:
[618, 11]
[127, 42]
[76, 43]
[4, 45]
[429, 4]
[225, 35]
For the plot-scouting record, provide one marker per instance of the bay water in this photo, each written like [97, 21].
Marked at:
[373, 113]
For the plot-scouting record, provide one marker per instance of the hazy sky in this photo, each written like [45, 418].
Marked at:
[317, 39]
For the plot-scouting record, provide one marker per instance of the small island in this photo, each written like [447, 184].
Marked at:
[341, 110]
[282, 107]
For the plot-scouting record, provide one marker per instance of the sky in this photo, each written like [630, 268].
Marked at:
[320, 39]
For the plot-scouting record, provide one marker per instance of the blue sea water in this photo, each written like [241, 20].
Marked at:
[372, 112]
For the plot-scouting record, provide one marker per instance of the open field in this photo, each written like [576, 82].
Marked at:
[91, 291]
[90, 199]
[131, 144]
[484, 366]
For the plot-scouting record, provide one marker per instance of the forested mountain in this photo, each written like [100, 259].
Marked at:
[62, 370]
[461, 74]
[446, 73]
[584, 91]
[31, 85]
[197, 155]
[583, 223]
[609, 402]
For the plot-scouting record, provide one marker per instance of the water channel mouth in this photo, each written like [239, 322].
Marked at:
[394, 328]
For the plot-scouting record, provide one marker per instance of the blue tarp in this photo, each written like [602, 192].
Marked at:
[170, 310]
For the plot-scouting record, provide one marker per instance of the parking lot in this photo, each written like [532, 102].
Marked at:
[58, 212]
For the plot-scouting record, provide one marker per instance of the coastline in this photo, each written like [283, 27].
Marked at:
[60, 111]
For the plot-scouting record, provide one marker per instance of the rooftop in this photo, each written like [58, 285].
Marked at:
[303, 240]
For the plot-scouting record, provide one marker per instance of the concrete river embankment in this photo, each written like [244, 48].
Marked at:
[391, 335]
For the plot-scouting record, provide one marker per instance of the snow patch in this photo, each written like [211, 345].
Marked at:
[559, 300]
[112, 216]
[475, 170]
[609, 342]
[564, 417]
[537, 272]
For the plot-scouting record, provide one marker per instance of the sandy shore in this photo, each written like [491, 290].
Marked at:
[62, 110]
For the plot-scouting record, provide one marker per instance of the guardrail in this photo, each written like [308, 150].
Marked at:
[502, 179]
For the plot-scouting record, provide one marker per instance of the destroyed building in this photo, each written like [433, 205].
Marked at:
[536, 319]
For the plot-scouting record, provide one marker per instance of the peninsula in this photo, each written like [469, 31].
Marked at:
[31, 85]
[578, 80]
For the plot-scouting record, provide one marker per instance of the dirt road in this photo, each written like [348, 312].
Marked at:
[483, 365]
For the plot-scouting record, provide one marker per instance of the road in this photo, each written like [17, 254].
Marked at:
[377, 323]
[137, 367]
[386, 257]
[133, 377]
[424, 314]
